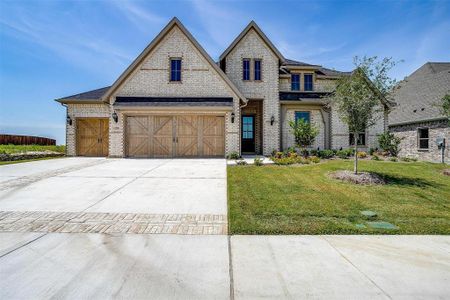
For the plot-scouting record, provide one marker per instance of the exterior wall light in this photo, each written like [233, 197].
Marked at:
[69, 120]
[232, 117]
[272, 120]
[115, 117]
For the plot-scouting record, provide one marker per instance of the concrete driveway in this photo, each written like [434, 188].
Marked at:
[154, 186]
[86, 228]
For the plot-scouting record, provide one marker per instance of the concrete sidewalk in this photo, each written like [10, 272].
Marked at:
[161, 266]
[341, 267]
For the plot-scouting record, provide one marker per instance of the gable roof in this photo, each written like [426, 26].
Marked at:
[174, 22]
[252, 25]
[417, 95]
[86, 97]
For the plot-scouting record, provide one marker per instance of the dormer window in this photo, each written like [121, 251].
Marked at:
[295, 82]
[175, 69]
[308, 82]
[246, 69]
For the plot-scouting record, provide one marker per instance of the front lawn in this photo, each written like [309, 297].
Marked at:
[10, 149]
[301, 199]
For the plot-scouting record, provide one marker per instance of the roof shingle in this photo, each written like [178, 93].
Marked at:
[417, 97]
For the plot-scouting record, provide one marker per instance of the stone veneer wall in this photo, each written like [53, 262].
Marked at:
[253, 47]
[288, 114]
[83, 111]
[198, 79]
[408, 146]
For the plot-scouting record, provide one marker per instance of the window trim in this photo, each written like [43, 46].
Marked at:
[260, 69]
[249, 69]
[351, 141]
[312, 82]
[170, 69]
[299, 81]
[419, 139]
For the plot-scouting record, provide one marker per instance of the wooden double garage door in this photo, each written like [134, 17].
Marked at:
[175, 136]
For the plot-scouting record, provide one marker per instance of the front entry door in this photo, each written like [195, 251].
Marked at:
[248, 133]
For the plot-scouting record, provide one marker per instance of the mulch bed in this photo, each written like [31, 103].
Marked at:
[446, 172]
[360, 178]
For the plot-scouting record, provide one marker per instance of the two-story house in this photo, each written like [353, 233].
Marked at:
[175, 101]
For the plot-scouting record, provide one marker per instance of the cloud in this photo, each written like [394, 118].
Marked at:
[77, 46]
[138, 15]
[214, 18]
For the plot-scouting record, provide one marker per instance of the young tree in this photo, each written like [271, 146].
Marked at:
[358, 97]
[304, 133]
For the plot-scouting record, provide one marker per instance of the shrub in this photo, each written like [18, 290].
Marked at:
[326, 154]
[292, 154]
[241, 162]
[362, 154]
[389, 143]
[414, 159]
[314, 159]
[304, 152]
[233, 155]
[405, 159]
[305, 161]
[258, 161]
[304, 132]
[344, 154]
[278, 155]
[393, 159]
[283, 161]
[375, 157]
[314, 152]
[371, 151]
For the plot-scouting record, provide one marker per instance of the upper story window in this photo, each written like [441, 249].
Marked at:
[308, 81]
[246, 69]
[304, 115]
[175, 69]
[257, 69]
[423, 138]
[295, 82]
[361, 139]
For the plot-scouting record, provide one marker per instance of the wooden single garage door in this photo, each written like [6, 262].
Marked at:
[175, 136]
[92, 137]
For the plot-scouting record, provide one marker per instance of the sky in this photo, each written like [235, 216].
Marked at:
[51, 49]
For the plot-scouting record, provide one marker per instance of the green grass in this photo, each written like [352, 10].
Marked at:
[303, 200]
[9, 149]
[2, 163]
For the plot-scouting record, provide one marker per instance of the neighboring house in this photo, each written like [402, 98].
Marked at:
[175, 101]
[418, 118]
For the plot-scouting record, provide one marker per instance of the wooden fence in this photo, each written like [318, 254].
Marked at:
[25, 140]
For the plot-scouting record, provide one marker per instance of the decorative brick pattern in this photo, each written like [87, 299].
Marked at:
[112, 223]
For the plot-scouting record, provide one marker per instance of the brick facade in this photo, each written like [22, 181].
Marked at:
[253, 47]
[200, 78]
[288, 114]
[409, 134]
[75, 111]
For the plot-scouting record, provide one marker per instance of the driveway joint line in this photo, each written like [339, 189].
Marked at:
[230, 267]
[121, 187]
[23, 245]
[354, 266]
